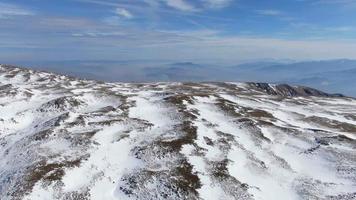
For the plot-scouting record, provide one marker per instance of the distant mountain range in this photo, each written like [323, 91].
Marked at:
[332, 76]
[336, 76]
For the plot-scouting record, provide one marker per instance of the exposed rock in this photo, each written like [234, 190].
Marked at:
[290, 91]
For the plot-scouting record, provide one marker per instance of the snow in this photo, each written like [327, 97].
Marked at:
[240, 168]
[107, 163]
[208, 190]
[147, 109]
[276, 160]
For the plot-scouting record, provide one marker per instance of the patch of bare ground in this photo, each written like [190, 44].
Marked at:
[228, 86]
[140, 124]
[337, 139]
[257, 113]
[78, 121]
[11, 74]
[230, 185]
[178, 183]
[76, 196]
[6, 88]
[347, 196]
[105, 122]
[218, 169]
[239, 112]
[183, 182]
[256, 132]
[351, 117]
[187, 181]
[82, 139]
[333, 124]
[60, 104]
[189, 134]
[227, 107]
[41, 171]
[178, 101]
[41, 135]
[225, 141]
[106, 109]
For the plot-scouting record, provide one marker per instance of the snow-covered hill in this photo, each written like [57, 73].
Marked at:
[66, 138]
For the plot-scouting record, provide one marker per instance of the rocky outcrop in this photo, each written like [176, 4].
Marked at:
[290, 91]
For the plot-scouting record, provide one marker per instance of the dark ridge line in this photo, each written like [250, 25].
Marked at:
[286, 90]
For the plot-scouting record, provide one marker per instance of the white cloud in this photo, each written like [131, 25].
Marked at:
[183, 45]
[120, 15]
[269, 12]
[217, 3]
[321, 31]
[242, 48]
[177, 44]
[99, 34]
[345, 2]
[97, 41]
[123, 13]
[180, 5]
[341, 29]
[200, 5]
[158, 5]
[349, 4]
[61, 22]
[10, 10]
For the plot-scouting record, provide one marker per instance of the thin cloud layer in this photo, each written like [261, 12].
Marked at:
[175, 30]
[217, 3]
[11, 10]
[269, 12]
[180, 5]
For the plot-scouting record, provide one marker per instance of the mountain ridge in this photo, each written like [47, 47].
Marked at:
[294, 90]
[68, 138]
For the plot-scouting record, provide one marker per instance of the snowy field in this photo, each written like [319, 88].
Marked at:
[66, 138]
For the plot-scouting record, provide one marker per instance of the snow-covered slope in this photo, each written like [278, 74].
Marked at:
[65, 138]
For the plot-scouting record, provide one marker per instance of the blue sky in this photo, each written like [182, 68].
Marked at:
[177, 30]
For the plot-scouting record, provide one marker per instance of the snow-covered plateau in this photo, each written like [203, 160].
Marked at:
[67, 138]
